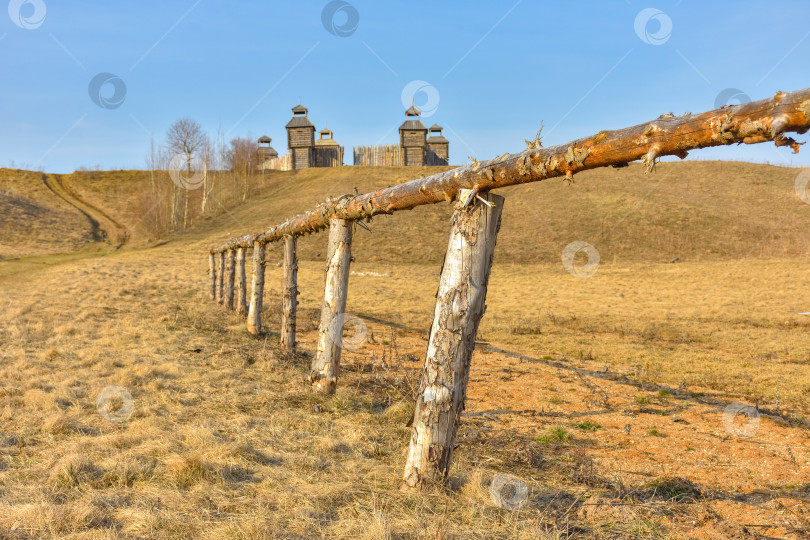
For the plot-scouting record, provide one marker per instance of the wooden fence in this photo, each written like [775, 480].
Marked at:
[327, 156]
[283, 163]
[465, 273]
[389, 155]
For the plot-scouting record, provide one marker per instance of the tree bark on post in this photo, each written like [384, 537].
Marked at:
[230, 279]
[325, 365]
[254, 318]
[460, 304]
[212, 272]
[241, 300]
[221, 298]
[290, 294]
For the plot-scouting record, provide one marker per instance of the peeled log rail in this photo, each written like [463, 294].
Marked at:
[668, 135]
[254, 318]
[326, 364]
[289, 293]
[460, 304]
[241, 300]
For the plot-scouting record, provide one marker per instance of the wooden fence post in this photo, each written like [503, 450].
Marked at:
[241, 301]
[230, 276]
[212, 271]
[221, 297]
[325, 365]
[290, 294]
[459, 307]
[254, 318]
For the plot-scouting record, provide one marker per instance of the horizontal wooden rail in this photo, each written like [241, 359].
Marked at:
[749, 123]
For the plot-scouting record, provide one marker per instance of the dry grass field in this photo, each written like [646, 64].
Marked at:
[604, 396]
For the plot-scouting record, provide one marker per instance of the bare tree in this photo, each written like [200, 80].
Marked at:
[242, 159]
[154, 202]
[186, 138]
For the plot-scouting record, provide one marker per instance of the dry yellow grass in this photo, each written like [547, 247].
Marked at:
[224, 439]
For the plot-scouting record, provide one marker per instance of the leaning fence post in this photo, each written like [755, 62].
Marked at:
[221, 297]
[241, 300]
[289, 294]
[254, 318]
[212, 271]
[459, 307]
[325, 365]
[230, 277]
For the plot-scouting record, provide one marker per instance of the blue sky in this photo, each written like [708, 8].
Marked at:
[494, 71]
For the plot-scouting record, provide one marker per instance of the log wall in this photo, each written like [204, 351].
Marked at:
[437, 154]
[283, 163]
[301, 137]
[301, 157]
[378, 156]
[328, 156]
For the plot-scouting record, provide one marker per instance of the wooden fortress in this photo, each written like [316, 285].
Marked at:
[305, 151]
[415, 146]
[418, 145]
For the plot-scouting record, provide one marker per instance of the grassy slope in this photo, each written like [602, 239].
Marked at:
[34, 221]
[694, 210]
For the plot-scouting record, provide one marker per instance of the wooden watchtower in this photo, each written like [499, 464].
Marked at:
[438, 148]
[265, 150]
[301, 138]
[328, 153]
[412, 137]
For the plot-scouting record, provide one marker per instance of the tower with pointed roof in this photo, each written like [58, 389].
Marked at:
[412, 137]
[438, 148]
[265, 150]
[301, 138]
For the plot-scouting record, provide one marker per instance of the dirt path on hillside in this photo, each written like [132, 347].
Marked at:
[103, 227]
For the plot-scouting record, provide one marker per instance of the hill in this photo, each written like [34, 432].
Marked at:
[695, 211]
